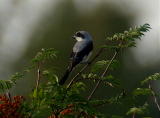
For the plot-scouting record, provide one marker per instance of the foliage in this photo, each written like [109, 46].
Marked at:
[49, 99]
[127, 38]
[138, 110]
[7, 84]
[155, 76]
[100, 65]
[142, 91]
[44, 54]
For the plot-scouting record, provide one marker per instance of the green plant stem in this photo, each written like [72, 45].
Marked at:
[154, 96]
[103, 74]
[97, 55]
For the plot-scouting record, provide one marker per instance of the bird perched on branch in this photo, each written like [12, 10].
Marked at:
[81, 52]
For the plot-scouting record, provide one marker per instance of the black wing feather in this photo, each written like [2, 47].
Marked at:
[77, 57]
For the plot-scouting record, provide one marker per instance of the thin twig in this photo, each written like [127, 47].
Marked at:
[38, 76]
[133, 116]
[8, 95]
[103, 74]
[98, 53]
[154, 96]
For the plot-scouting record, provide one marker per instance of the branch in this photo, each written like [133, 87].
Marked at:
[154, 96]
[8, 95]
[103, 74]
[97, 55]
[133, 116]
[38, 76]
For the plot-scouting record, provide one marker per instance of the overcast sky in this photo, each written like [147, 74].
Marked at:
[19, 18]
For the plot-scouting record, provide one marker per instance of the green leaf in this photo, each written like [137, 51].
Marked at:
[7, 84]
[44, 54]
[127, 38]
[111, 80]
[35, 93]
[138, 110]
[135, 110]
[17, 76]
[90, 76]
[155, 76]
[99, 65]
[78, 86]
[142, 91]
[115, 64]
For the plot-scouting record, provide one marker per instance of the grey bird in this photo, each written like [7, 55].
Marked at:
[81, 52]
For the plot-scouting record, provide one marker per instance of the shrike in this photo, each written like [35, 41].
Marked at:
[81, 52]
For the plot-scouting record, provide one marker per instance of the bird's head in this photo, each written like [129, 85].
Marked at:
[82, 36]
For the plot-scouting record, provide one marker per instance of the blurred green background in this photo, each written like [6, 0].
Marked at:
[28, 26]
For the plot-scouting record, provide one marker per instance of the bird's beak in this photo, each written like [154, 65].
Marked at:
[74, 37]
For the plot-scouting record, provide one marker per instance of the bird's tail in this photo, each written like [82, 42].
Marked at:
[66, 74]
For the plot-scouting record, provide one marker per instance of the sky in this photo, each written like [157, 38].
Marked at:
[20, 18]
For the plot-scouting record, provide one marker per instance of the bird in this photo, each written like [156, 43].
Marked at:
[81, 52]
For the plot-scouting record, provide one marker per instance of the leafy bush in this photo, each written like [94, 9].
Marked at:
[49, 99]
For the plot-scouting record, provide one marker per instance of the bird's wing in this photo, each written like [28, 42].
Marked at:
[80, 50]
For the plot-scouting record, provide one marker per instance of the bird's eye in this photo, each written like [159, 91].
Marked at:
[78, 34]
